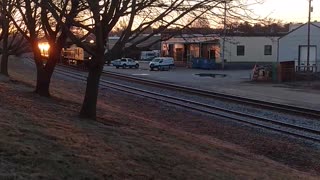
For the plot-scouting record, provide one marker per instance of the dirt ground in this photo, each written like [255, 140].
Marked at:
[133, 138]
[305, 85]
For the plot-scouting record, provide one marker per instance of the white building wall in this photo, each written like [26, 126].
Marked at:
[254, 49]
[289, 44]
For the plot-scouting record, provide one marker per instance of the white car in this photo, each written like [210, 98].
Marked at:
[161, 63]
[125, 62]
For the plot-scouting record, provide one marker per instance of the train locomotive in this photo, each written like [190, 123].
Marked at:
[75, 56]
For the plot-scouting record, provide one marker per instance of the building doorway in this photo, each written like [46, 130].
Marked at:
[303, 55]
[212, 54]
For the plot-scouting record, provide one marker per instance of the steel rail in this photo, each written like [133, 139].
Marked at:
[278, 126]
[222, 96]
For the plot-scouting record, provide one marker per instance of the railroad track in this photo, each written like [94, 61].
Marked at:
[226, 97]
[308, 133]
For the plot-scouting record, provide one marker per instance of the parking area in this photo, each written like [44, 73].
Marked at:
[236, 82]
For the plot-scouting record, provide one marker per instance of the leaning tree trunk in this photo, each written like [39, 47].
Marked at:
[89, 105]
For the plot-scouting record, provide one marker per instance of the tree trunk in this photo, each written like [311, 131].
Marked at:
[4, 64]
[44, 72]
[5, 49]
[43, 82]
[89, 105]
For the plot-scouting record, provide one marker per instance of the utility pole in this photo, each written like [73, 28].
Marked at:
[224, 33]
[308, 49]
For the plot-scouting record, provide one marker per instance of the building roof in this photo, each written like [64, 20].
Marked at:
[315, 24]
[218, 33]
[193, 38]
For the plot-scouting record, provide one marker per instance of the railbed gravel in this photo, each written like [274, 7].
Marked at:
[306, 122]
[289, 118]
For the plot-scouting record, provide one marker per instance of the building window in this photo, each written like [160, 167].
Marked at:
[240, 50]
[267, 50]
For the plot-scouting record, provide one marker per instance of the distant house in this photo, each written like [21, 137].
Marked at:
[187, 46]
[251, 49]
[294, 45]
[152, 43]
[239, 48]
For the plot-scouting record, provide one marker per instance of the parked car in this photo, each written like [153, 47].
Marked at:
[161, 63]
[125, 62]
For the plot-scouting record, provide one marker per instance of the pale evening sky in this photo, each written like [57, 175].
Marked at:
[288, 10]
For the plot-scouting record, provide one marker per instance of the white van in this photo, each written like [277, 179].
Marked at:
[161, 63]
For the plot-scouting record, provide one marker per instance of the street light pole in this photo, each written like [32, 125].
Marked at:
[224, 34]
[308, 49]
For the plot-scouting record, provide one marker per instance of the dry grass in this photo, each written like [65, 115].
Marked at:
[44, 138]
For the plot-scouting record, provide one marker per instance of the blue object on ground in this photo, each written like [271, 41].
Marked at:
[202, 63]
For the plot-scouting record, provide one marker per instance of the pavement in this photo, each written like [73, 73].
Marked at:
[235, 82]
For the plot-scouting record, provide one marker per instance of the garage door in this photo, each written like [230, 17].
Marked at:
[303, 52]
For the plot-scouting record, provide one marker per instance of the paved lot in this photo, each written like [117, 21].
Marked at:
[236, 82]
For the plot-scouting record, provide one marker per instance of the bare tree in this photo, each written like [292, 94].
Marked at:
[5, 25]
[56, 35]
[34, 22]
[9, 36]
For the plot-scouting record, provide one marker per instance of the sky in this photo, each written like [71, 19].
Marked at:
[288, 10]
